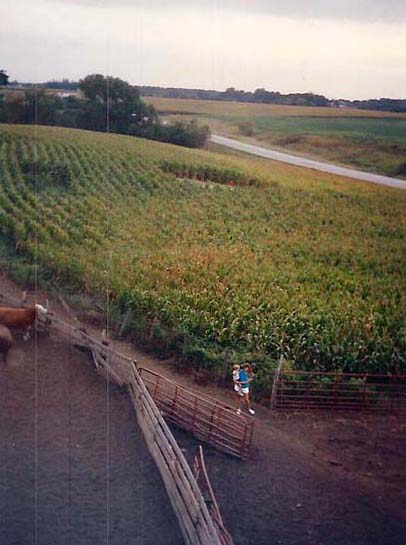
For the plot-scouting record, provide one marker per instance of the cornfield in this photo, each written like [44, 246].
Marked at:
[287, 260]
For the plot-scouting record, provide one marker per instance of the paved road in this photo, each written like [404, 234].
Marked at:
[308, 163]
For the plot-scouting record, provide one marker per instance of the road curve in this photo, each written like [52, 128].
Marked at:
[307, 163]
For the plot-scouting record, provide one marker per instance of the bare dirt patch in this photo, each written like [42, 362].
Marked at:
[300, 488]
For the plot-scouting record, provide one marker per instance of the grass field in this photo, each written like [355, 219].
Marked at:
[219, 107]
[290, 258]
[369, 140]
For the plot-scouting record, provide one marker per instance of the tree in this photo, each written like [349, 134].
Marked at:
[114, 103]
[107, 103]
[190, 135]
[14, 108]
[32, 106]
[3, 78]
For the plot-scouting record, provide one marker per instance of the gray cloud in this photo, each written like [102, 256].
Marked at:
[226, 47]
[359, 10]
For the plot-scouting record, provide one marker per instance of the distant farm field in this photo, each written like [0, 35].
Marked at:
[357, 127]
[219, 107]
[289, 260]
[368, 140]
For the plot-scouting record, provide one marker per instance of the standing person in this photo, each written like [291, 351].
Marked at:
[237, 385]
[245, 380]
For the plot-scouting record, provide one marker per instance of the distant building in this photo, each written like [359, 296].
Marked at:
[339, 104]
[64, 93]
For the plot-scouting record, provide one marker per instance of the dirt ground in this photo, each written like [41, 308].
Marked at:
[313, 479]
[74, 468]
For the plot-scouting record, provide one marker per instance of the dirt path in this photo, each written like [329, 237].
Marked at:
[311, 479]
[74, 468]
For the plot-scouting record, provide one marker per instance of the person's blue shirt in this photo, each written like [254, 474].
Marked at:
[244, 379]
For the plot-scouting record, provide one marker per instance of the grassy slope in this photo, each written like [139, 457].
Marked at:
[369, 140]
[305, 257]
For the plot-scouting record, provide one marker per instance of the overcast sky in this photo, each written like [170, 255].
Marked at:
[340, 48]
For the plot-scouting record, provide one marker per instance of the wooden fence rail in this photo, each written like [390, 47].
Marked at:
[210, 499]
[207, 418]
[339, 391]
[196, 523]
[195, 520]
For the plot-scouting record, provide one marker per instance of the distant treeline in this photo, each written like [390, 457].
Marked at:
[382, 104]
[104, 104]
[260, 95]
[263, 96]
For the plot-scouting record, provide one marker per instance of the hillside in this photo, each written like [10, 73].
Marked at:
[289, 256]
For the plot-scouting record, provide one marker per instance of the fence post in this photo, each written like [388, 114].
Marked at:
[225, 368]
[276, 379]
[121, 328]
[336, 389]
[392, 393]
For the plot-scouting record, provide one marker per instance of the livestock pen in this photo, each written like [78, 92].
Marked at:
[196, 522]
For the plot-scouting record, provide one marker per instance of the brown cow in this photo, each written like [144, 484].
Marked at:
[18, 318]
[22, 318]
[6, 342]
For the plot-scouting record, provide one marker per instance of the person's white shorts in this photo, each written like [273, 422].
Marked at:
[245, 391]
[238, 389]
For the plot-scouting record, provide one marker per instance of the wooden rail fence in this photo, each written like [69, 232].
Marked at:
[209, 497]
[339, 391]
[196, 522]
[207, 418]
